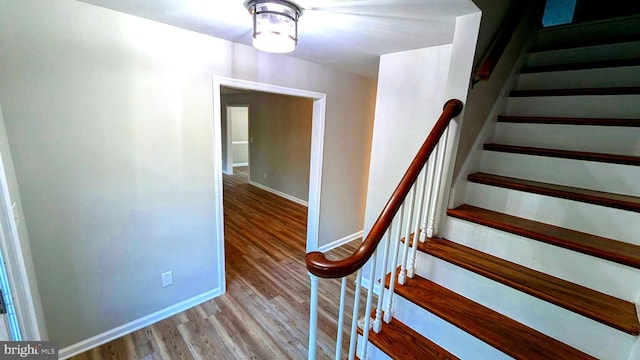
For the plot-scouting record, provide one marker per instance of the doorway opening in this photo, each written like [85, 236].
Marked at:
[236, 152]
[315, 158]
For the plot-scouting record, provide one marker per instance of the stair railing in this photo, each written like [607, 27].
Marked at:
[410, 211]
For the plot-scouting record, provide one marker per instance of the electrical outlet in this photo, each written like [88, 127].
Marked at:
[265, 175]
[167, 278]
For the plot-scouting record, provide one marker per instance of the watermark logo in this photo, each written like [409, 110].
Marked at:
[32, 350]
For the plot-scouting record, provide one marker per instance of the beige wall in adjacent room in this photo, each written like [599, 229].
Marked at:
[110, 123]
[280, 148]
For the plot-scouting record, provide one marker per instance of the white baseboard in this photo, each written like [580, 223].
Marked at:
[137, 324]
[240, 164]
[336, 243]
[279, 193]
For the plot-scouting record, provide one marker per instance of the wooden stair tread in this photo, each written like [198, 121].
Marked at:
[495, 329]
[595, 305]
[401, 342]
[565, 154]
[569, 121]
[618, 201]
[581, 66]
[586, 42]
[628, 90]
[604, 248]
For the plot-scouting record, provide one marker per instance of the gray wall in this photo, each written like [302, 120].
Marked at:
[110, 124]
[280, 151]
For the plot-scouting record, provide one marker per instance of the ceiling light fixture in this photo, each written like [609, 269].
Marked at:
[275, 25]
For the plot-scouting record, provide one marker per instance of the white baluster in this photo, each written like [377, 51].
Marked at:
[343, 293]
[442, 147]
[433, 159]
[402, 277]
[377, 323]
[388, 312]
[313, 317]
[367, 308]
[354, 319]
[416, 230]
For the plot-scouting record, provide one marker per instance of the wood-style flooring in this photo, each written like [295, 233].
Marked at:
[265, 312]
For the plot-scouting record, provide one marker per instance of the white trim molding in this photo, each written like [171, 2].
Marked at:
[334, 244]
[14, 244]
[217, 183]
[279, 193]
[240, 164]
[137, 324]
[315, 171]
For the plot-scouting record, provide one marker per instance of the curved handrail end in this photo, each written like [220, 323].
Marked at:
[318, 264]
[456, 107]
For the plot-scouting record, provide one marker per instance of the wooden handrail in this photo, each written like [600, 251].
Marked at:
[513, 18]
[316, 261]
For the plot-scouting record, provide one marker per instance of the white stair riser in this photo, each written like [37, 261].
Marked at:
[600, 29]
[605, 276]
[592, 53]
[575, 330]
[447, 336]
[587, 78]
[373, 353]
[613, 178]
[603, 221]
[571, 137]
[609, 106]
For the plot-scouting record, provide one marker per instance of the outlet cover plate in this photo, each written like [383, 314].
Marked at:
[167, 278]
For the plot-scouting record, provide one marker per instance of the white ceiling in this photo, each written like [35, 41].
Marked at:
[346, 34]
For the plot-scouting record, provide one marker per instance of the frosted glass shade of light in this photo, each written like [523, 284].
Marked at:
[275, 28]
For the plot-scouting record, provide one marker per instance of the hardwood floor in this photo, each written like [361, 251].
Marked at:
[265, 312]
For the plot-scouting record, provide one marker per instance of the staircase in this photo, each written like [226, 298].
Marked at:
[542, 261]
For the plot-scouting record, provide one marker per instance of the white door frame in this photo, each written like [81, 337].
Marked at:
[17, 255]
[317, 150]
